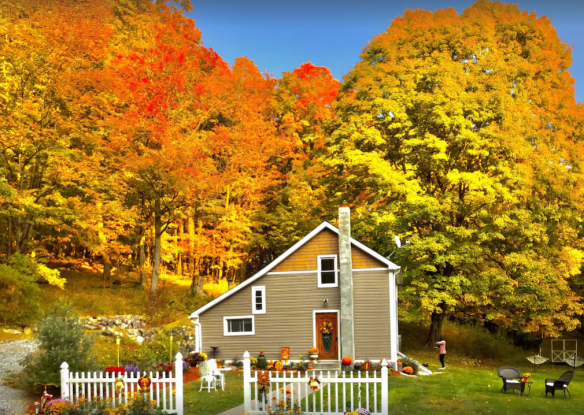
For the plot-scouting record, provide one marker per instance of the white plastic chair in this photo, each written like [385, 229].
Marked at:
[207, 376]
[216, 373]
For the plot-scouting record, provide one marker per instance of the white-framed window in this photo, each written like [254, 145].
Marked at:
[258, 300]
[327, 271]
[239, 326]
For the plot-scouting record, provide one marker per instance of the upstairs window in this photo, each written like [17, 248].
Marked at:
[327, 271]
[258, 300]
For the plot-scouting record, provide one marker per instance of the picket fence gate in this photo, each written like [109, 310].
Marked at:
[167, 391]
[337, 393]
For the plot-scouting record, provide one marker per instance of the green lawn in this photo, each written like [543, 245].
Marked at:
[213, 403]
[456, 391]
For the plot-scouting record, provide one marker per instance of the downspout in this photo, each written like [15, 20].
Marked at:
[198, 336]
[393, 332]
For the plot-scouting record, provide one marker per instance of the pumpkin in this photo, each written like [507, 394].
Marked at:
[367, 365]
[279, 365]
[347, 360]
[144, 383]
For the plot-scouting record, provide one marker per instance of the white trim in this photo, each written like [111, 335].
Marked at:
[293, 272]
[255, 289]
[336, 271]
[198, 333]
[246, 333]
[393, 341]
[314, 313]
[294, 248]
[369, 269]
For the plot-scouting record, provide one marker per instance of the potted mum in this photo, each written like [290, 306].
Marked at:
[313, 352]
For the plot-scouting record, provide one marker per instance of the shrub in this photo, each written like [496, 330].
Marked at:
[61, 339]
[19, 293]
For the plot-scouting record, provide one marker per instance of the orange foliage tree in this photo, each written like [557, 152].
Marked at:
[50, 52]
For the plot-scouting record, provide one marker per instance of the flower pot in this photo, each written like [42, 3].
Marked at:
[314, 356]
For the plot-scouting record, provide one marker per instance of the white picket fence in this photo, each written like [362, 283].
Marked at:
[167, 391]
[337, 394]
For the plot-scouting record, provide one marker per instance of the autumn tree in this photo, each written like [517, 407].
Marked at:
[458, 132]
[158, 139]
[50, 52]
[305, 99]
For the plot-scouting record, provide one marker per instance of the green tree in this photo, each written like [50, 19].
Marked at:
[62, 338]
[458, 133]
[19, 291]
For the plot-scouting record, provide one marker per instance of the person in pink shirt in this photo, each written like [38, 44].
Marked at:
[441, 346]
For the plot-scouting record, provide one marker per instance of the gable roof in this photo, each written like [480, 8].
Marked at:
[325, 225]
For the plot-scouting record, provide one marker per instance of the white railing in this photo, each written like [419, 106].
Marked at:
[166, 390]
[337, 393]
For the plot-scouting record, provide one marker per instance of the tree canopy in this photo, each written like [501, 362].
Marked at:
[125, 140]
[461, 133]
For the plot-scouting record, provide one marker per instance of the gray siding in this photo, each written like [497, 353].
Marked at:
[371, 315]
[290, 301]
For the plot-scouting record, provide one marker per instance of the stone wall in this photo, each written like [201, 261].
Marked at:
[134, 326]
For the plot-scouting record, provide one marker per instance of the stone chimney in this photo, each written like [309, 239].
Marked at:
[346, 284]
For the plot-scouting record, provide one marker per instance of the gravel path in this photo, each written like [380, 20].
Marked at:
[13, 401]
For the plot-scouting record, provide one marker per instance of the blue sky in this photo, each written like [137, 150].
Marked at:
[281, 35]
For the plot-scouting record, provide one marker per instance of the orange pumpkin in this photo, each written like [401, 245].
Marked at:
[144, 383]
[367, 365]
[347, 360]
[279, 365]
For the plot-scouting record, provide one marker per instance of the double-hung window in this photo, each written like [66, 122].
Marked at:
[239, 326]
[258, 300]
[327, 271]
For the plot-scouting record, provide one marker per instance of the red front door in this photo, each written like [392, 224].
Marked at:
[327, 336]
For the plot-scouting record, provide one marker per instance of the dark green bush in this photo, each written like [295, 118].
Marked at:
[61, 339]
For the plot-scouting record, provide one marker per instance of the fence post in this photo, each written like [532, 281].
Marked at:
[64, 379]
[178, 370]
[246, 382]
[384, 388]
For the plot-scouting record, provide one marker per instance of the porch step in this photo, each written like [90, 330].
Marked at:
[332, 366]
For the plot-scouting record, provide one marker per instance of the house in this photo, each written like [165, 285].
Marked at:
[328, 291]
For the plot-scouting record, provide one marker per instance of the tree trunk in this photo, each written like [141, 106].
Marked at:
[9, 237]
[436, 326]
[197, 280]
[143, 277]
[179, 261]
[107, 267]
[157, 247]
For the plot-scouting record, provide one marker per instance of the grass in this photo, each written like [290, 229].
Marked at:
[460, 391]
[123, 295]
[213, 403]
[6, 336]
[456, 391]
